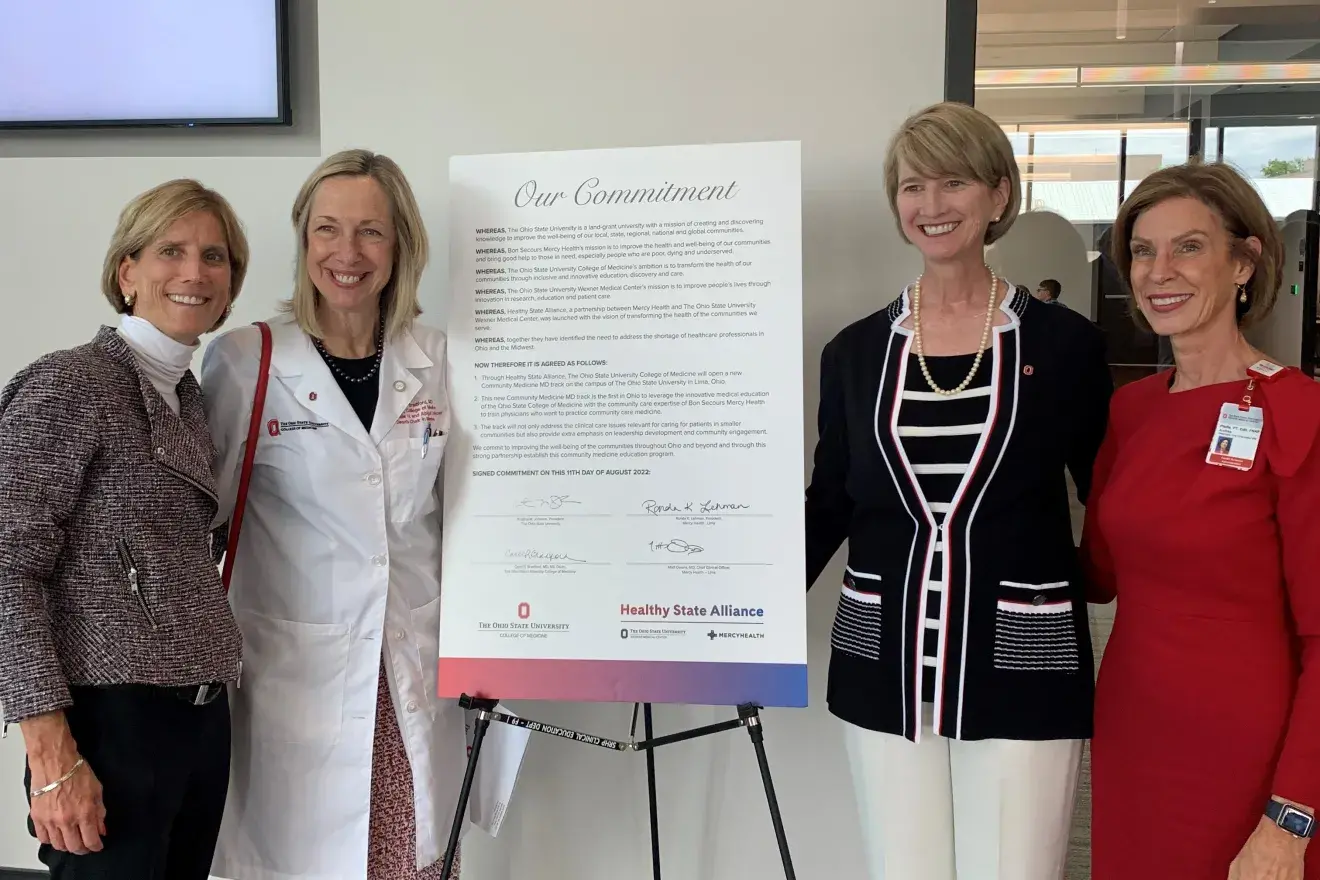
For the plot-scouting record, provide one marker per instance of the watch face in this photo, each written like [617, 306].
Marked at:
[1296, 822]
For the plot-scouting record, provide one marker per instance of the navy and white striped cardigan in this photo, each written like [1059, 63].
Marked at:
[1017, 661]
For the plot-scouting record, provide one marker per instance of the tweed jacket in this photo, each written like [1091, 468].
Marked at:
[106, 506]
[984, 598]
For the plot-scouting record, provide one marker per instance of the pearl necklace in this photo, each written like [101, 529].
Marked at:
[375, 366]
[980, 350]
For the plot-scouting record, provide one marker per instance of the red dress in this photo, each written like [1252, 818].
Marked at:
[1208, 699]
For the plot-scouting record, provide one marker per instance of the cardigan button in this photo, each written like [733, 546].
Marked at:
[1039, 600]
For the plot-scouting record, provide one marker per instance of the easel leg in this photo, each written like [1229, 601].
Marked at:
[750, 714]
[460, 813]
[650, 792]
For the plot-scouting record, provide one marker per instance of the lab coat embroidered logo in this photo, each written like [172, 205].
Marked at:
[524, 611]
[275, 427]
[420, 411]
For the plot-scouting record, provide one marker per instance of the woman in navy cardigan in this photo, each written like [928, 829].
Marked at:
[961, 657]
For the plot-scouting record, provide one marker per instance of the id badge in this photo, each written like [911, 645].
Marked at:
[1236, 437]
[426, 439]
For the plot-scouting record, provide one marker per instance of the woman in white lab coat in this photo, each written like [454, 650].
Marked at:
[345, 763]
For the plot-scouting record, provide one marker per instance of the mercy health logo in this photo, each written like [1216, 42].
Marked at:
[737, 634]
[275, 427]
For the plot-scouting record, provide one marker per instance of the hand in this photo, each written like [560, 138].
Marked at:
[71, 818]
[1270, 853]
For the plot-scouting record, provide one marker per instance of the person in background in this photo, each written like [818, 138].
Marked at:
[1206, 757]
[346, 764]
[115, 637]
[961, 655]
[1049, 291]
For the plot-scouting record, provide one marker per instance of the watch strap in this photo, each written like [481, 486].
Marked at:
[1296, 822]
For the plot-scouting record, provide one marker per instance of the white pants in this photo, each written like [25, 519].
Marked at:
[950, 810]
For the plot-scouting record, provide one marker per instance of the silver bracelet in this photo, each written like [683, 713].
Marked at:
[47, 789]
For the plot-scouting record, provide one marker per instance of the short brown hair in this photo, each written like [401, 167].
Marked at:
[952, 139]
[148, 216]
[1222, 189]
[399, 299]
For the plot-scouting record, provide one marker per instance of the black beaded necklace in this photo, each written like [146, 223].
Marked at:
[331, 360]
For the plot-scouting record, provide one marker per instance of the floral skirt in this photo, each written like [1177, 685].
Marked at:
[392, 847]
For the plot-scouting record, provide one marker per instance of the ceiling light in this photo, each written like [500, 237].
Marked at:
[1201, 74]
[1286, 73]
[1073, 127]
[1033, 77]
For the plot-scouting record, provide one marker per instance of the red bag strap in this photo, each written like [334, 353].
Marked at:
[249, 453]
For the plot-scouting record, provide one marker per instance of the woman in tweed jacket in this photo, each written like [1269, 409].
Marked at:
[116, 639]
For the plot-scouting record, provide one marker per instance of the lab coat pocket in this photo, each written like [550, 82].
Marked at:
[413, 466]
[293, 678]
[426, 635]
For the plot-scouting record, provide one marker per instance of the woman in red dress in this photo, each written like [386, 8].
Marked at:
[1206, 756]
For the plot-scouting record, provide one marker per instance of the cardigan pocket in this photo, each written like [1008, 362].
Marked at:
[857, 623]
[1036, 637]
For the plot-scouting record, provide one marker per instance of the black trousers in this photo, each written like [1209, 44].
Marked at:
[163, 765]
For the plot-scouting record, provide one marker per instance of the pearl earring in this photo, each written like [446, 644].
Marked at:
[128, 299]
[1242, 293]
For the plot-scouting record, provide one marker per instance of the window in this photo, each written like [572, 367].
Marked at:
[1150, 149]
[1279, 159]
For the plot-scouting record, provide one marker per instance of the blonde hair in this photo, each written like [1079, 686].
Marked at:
[399, 299]
[150, 215]
[954, 140]
[1244, 214]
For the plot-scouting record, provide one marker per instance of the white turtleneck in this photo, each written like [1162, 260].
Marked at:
[162, 359]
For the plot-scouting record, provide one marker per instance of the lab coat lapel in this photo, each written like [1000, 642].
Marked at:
[398, 382]
[296, 363]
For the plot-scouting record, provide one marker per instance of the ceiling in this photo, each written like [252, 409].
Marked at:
[1070, 33]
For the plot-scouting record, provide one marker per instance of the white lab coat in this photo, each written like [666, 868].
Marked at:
[340, 549]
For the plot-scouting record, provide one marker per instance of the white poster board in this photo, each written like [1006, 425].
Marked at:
[623, 486]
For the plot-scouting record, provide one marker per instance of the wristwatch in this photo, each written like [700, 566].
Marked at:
[1296, 822]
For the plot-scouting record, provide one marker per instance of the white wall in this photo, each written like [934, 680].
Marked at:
[422, 81]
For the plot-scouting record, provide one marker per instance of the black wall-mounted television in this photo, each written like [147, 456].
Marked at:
[143, 63]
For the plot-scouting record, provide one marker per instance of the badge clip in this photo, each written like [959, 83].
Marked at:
[1245, 405]
[1266, 371]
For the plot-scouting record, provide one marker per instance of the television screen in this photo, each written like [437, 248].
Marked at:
[73, 63]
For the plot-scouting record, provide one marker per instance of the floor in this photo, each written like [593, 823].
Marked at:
[1079, 853]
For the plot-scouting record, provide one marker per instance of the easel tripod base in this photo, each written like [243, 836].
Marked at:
[749, 716]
